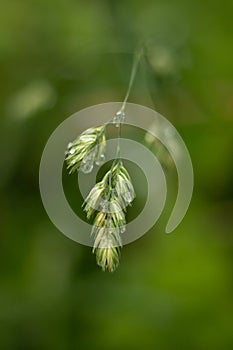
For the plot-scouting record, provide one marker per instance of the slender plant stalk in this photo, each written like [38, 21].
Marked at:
[137, 57]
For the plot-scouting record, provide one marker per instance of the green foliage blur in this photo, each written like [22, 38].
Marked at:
[171, 291]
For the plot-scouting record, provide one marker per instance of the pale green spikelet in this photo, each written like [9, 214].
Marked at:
[108, 200]
[87, 149]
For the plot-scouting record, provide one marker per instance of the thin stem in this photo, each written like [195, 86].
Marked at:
[137, 57]
[118, 153]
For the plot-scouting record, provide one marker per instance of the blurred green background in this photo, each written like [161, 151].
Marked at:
[171, 291]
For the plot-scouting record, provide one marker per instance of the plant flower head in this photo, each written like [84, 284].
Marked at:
[86, 150]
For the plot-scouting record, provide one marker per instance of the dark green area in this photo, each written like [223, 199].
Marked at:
[171, 291]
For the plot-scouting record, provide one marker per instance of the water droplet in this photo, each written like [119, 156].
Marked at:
[119, 118]
[86, 167]
[88, 163]
[128, 197]
[100, 160]
[122, 229]
[72, 151]
[120, 114]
